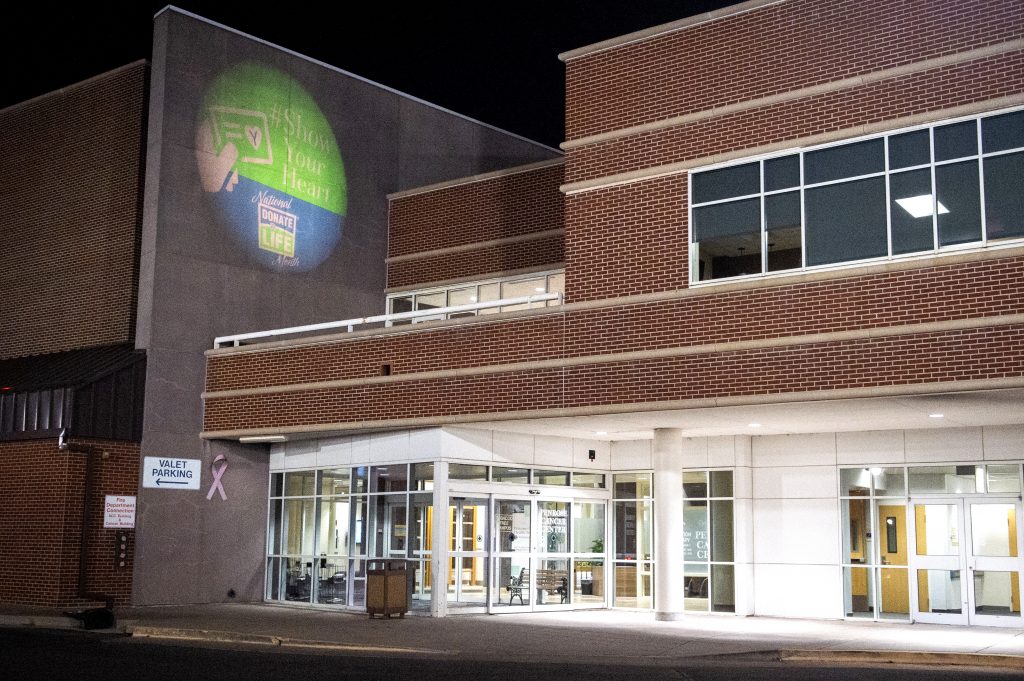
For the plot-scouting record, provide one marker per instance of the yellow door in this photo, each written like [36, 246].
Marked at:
[892, 550]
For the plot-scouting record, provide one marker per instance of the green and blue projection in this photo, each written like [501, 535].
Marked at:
[270, 162]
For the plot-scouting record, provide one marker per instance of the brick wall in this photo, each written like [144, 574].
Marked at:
[770, 51]
[506, 206]
[773, 49]
[71, 173]
[848, 109]
[463, 346]
[959, 355]
[41, 520]
[961, 292]
[626, 240]
[631, 238]
[547, 252]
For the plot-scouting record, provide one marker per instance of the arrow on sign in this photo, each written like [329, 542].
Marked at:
[161, 481]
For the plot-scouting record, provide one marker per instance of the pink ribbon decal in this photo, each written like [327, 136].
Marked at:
[218, 473]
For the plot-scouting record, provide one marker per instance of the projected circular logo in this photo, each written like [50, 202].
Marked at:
[269, 161]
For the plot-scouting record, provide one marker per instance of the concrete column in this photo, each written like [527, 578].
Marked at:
[667, 459]
[743, 524]
[439, 543]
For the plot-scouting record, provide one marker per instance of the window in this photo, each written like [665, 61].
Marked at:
[709, 568]
[324, 524]
[874, 538]
[633, 538]
[478, 292]
[958, 184]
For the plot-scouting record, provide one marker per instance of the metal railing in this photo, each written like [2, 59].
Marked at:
[350, 325]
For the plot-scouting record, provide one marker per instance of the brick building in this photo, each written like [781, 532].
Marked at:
[69, 276]
[224, 184]
[752, 345]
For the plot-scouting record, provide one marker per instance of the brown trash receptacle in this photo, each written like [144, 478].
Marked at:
[387, 587]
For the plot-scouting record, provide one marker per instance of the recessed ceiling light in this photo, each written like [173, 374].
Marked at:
[935, 415]
[600, 432]
[539, 289]
[754, 425]
[920, 206]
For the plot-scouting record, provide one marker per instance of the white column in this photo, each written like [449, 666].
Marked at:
[743, 526]
[667, 461]
[439, 543]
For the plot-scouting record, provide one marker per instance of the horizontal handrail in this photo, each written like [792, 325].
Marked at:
[387, 319]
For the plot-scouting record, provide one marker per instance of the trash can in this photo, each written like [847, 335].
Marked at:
[387, 587]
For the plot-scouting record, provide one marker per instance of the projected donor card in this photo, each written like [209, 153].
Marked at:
[271, 165]
[277, 230]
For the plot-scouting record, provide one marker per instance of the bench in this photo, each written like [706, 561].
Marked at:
[552, 580]
[547, 580]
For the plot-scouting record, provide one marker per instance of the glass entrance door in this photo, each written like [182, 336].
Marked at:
[967, 561]
[551, 563]
[994, 562]
[467, 573]
[513, 551]
[548, 554]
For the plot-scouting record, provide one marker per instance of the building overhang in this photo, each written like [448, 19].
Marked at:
[990, 403]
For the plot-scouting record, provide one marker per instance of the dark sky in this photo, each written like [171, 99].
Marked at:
[490, 60]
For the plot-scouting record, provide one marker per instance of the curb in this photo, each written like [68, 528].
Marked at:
[904, 657]
[213, 636]
[39, 621]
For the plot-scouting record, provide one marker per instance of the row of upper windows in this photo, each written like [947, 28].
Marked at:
[479, 292]
[956, 184]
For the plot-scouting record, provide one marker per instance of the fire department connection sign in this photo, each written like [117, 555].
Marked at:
[119, 512]
[163, 473]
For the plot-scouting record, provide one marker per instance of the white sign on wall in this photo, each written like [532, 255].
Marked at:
[164, 473]
[119, 512]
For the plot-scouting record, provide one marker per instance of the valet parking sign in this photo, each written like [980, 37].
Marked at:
[162, 473]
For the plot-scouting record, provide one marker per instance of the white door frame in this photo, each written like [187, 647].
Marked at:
[964, 562]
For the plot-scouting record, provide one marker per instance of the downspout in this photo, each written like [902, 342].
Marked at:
[94, 618]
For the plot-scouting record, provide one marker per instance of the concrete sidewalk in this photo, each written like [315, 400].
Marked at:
[608, 636]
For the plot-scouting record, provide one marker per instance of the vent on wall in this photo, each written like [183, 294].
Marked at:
[96, 392]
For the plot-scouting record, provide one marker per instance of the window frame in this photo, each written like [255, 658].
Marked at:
[886, 174]
[447, 290]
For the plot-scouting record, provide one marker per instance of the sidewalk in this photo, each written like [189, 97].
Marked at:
[610, 636]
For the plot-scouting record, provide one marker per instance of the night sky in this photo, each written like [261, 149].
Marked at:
[493, 61]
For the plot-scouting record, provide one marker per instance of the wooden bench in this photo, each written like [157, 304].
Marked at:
[547, 580]
[552, 580]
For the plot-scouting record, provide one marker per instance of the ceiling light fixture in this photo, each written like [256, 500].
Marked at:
[256, 439]
[753, 425]
[936, 415]
[920, 206]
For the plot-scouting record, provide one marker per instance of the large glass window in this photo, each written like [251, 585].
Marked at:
[709, 570]
[324, 524]
[874, 540]
[907, 192]
[634, 533]
[477, 292]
